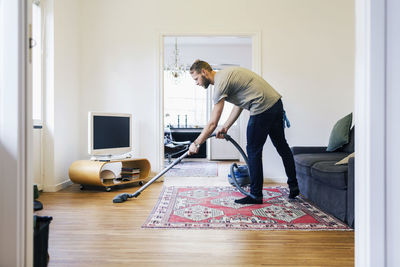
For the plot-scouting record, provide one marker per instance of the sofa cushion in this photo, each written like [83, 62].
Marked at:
[304, 162]
[349, 147]
[330, 174]
[340, 133]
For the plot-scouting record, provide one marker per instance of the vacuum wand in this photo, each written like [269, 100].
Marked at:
[124, 196]
[137, 193]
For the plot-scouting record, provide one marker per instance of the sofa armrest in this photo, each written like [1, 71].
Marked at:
[350, 193]
[308, 149]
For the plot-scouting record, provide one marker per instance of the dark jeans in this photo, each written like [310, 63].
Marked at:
[270, 122]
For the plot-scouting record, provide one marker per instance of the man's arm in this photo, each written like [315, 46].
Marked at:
[235, 113]
[209, 128]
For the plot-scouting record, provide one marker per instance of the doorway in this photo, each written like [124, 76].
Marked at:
[187, 107]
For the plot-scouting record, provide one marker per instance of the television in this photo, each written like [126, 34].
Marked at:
[109, 133]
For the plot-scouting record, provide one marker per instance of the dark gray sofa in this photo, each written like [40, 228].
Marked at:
[329, 186]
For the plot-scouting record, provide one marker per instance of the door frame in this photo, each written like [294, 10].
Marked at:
[369, 117]
[16, 245]
[376, 143]
[159, 87]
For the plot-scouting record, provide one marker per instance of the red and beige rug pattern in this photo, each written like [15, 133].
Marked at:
[214, 208]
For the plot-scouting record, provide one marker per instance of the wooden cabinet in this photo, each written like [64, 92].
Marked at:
[91, 172]
[189, 134]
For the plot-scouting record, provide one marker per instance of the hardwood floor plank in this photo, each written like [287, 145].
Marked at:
[89, 230]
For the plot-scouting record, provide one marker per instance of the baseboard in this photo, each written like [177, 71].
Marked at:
[279, 180]
[57, 187]
[39, 186]
[153, 174]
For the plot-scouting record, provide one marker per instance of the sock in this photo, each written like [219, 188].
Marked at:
[294, 192]
[249, 200]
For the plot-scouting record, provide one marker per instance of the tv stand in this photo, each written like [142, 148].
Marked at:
[111, 157]
[102, 158]
[89, 172]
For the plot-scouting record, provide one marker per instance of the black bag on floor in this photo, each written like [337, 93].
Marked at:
[41, 240]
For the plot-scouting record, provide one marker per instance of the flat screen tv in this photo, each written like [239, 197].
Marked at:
[109, 133]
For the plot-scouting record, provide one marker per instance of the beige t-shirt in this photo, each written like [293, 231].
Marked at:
[245, 89]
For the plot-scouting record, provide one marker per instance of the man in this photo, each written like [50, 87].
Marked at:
[247, 90]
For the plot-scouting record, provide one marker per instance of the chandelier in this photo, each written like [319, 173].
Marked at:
[176, 70]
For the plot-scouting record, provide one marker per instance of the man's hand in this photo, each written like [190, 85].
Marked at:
[193, 149]
[220, 133]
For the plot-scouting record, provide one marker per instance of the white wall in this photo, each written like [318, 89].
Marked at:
[62, 63]
[307, 55]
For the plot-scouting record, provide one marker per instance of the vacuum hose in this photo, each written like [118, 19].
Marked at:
[234, 165]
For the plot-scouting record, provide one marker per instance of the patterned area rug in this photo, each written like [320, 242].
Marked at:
[214, 208]
[193, 169]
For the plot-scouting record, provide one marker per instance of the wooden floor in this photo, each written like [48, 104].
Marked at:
[89, 230]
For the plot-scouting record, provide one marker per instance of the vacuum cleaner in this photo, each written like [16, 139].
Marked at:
[244, 179]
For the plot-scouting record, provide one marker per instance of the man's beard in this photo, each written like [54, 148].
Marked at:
[206, 82]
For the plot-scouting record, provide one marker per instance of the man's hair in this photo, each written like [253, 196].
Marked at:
[198, 65]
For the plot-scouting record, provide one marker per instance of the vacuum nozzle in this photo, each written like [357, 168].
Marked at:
[121, 198]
